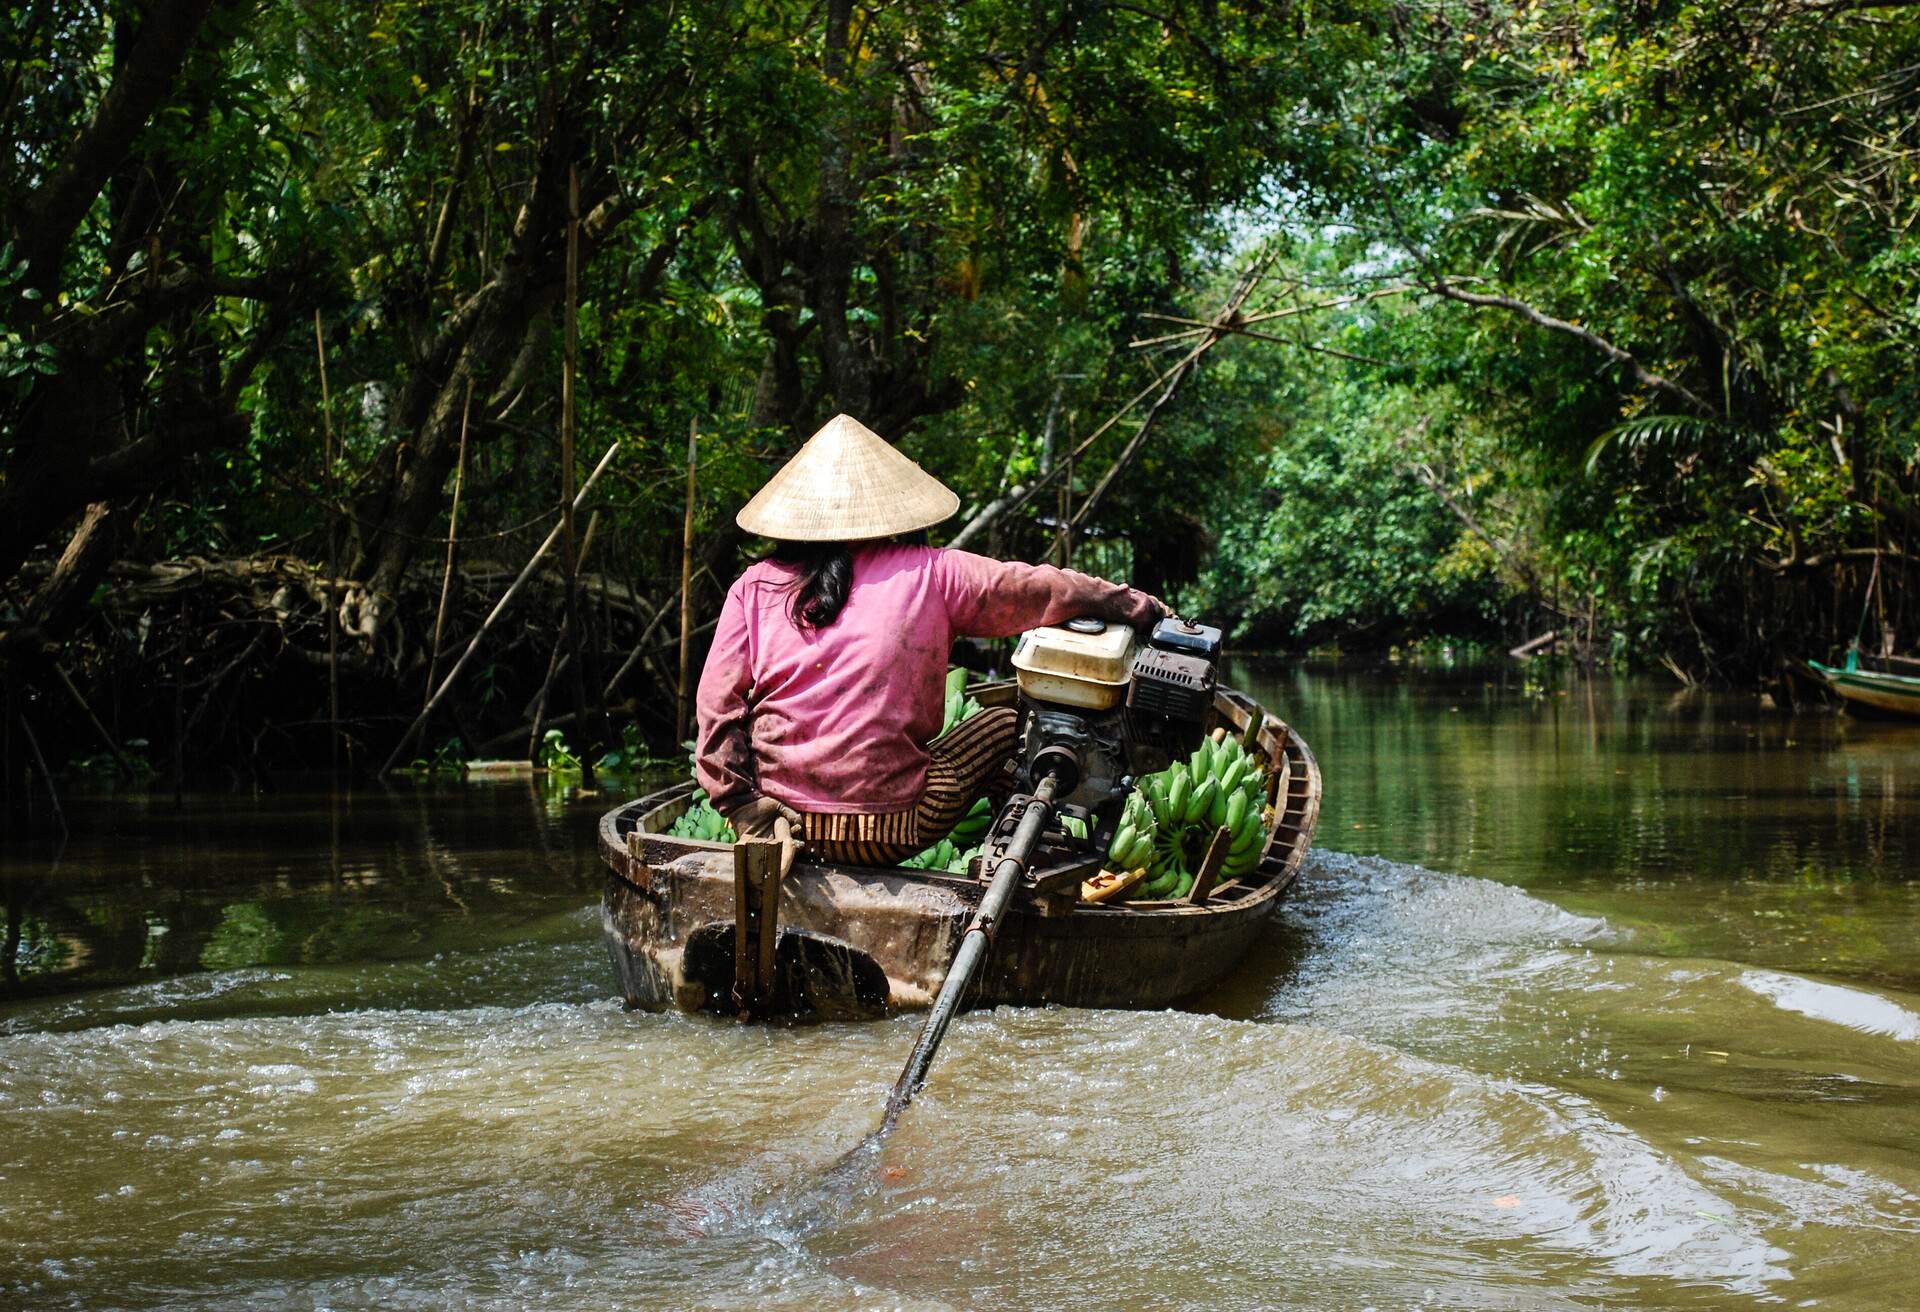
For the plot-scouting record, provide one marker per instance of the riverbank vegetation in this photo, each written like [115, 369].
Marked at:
[1590, 318]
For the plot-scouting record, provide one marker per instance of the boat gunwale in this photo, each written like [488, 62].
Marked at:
[1279, 865]
[1904, 684]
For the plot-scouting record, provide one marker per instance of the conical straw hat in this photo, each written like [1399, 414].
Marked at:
[847, 484]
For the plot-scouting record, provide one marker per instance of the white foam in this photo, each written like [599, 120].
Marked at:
[1838, 1004]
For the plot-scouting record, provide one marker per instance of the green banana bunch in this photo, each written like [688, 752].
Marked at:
[1219, 784]
[944, 855]
[973, 825]
[959, 706]
[1132, 845]
[936, 857]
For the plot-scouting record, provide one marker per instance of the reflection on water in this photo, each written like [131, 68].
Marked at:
[150, 888]
[1703, 822]
[1613, 1004]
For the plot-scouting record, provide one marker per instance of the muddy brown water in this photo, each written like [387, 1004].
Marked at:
[1594, 996]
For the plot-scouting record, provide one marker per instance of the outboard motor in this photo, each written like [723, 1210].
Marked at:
[1098, 709]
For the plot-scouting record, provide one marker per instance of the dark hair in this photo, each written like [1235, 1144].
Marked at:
[824, 573]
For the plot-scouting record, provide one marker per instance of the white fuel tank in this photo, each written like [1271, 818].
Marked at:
[1084, 663]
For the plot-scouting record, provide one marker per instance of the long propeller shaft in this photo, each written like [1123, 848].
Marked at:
[973, 947]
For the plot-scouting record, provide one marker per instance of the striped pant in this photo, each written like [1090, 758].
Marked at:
[971, 760]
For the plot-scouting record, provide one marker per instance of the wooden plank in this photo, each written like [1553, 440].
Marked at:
[768, 928]
[745, 956]
[756, 923]
[1210, 866]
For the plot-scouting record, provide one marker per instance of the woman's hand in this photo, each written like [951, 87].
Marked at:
[1159, 610]
[755, 819]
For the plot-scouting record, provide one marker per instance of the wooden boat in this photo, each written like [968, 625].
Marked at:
[864, 941]
[1888, 684]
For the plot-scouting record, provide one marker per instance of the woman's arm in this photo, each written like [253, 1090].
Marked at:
[722, 745]
[989, 598]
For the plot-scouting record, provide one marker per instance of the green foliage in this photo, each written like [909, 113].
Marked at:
[1723, 192]
[448, 759]
[703, 822]
[104, 768]
[632, 753]
[1683, 410]
[1335, 538]
[555, 756]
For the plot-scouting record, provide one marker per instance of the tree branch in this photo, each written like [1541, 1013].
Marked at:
[1641, 374]
[1796, 563]
[47, 219]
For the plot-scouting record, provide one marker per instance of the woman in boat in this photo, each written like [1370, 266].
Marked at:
[823, 690]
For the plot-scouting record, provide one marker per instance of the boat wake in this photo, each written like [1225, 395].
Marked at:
[1437, 1092]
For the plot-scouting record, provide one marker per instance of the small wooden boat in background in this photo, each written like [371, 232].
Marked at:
[1884, 684]
[866, 941]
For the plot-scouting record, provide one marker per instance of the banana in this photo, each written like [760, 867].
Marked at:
[1245, 841]
[1236, 812]
[1123, 840]
[974, 823]
[1201, 798]
[1217, 808]
[1178, 798]
[1231, 777]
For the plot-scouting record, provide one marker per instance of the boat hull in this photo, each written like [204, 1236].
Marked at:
[856, 941]
[1874, 692]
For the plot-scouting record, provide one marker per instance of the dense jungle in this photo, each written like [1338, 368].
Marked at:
[1343, 323]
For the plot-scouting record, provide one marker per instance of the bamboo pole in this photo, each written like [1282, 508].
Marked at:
[686, 591]
[333, 555]
[1066, 515]
[568, 367]
[499, 608]
[73, 691]
[46, 775]
[640, 648]
[453, 537]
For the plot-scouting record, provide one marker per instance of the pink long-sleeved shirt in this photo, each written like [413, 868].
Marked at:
[838, 719]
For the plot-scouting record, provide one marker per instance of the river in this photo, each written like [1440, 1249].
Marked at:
[1595, 994]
